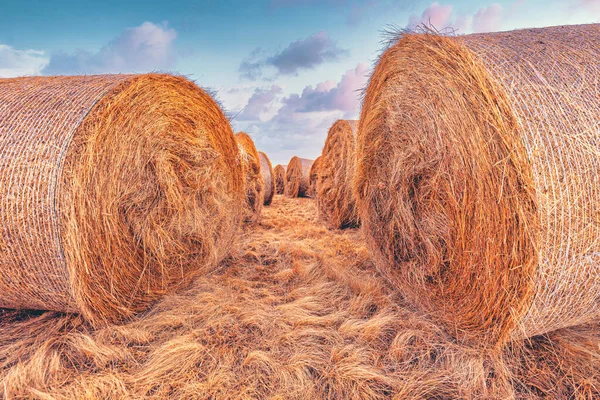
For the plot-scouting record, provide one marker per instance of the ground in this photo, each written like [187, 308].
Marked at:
[296, 311]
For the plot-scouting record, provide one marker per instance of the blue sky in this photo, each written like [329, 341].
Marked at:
[285, 70]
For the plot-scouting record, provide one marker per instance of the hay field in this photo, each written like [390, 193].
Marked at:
[297, 311]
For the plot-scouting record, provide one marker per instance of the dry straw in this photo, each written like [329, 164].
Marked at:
[266, 169]
[297, 177]
[280, 179]
[337, 205]
[314, 177]
[478, 181]
[253, 179]
[114, 190]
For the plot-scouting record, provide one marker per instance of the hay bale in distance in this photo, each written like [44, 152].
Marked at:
[280, 178]
[297, 177]
[266, 169]
[314, 177]
[253, 180]
[336, 202]
[477, 178]
[115, 190]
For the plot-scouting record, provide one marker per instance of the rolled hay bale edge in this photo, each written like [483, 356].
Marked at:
[314, 177]
[335, 196]
[253, 178]
[266, 169]
[477, 178]
[115, 189]
[280, 178]
[297, 177]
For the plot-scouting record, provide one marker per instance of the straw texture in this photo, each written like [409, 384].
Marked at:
[279, 172]
[477, 178]
[253, 179]
[314, 177]
[335, 198]
[297, 177]
[114, 190]
[266, 169]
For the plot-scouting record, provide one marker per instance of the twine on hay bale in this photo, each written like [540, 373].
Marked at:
[297, 177]
[279, 172]
[335, 199]
[114, 190]
[313, 177]
[254, 183]
[477, 178]
[266, 169]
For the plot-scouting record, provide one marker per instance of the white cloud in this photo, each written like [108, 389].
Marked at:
[143, 48]
[443, 17]
[15, 62]
[488, 19]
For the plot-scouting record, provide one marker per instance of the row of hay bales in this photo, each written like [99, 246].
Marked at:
[117, 189]
[474, 172]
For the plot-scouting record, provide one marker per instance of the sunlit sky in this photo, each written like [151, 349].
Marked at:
[284, 70]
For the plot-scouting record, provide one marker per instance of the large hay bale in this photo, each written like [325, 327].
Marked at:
[477, 178]
[114, 190]
[314, 177]
[297, 177]
[336, 201]
[266, 169]
[253, 180]
[279, 172]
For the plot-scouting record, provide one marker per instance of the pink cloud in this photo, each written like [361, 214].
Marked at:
[436, 15]
[488, 19]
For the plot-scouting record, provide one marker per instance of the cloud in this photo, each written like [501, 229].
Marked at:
[259, 103]
[302, 54]
[436, 15]
[592, 6]
[140, 49]
[15, 62]
[488, 19]
[442, 17]
[301, 123]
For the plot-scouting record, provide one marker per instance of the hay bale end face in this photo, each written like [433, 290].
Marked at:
[268, 175]
[314, 177]
[279, 172]
[253, 179]
[336, 201]
[297, 177]
[477, 178]
[114, 190]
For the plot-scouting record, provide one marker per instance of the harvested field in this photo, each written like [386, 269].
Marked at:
[279, 172]
[477, 178]
[266, 169]
[297, 177]
[335, 196]
[253, 179]
[114, 190]
[298, 311]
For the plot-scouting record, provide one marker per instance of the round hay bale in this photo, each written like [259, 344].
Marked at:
[266, 169]
[253, 180]
[296, 177]
[335, 198]
[279, 172]
[477, 178]
[114, 190]
[313, 177]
